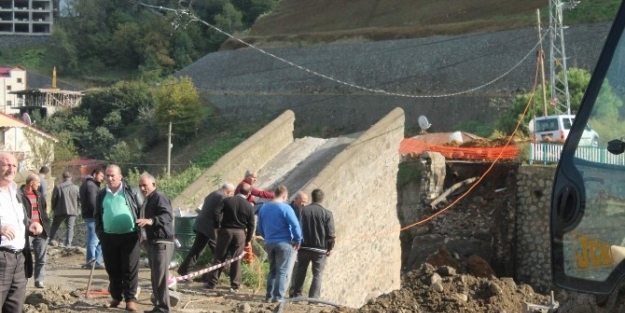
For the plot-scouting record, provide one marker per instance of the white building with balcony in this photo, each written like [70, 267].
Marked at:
[11, 79]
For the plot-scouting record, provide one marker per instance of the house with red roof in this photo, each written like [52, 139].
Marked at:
[32, 147]
[12, 78]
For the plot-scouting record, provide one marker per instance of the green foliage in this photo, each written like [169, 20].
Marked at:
[407, 173]
[254, 272]
[592, 12]
[607, 103]
[220, 147]
[229, 19]
[177, 101]
[94, 35]
[65, 150]
[125, 98]
[42, 149]
[122, 152]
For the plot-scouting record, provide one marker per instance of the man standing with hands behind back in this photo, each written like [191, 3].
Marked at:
[156, 223]
[318, 231]
[116, 213]
[65, 205]
[15, 227]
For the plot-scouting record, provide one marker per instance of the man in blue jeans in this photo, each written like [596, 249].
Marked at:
[88, 191]
[280, 228]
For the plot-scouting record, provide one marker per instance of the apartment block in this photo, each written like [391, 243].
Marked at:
[11, 79]
[26, 17]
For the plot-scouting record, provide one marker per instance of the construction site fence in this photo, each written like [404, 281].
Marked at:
[549, 153]
[411, 146]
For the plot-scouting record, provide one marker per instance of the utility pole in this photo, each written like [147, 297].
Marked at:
[560, 96]
[169, 146]
[541, 59]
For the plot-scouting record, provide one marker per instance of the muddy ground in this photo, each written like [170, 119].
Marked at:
[469, 286]
[66, 283]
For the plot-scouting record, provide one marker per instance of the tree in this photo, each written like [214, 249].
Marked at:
[230, 19]
[65, 150]
[123, 152]
[62, 53]
[41, 149]
[607, 103]
[178, 101]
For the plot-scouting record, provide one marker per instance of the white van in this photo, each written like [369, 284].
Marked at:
[556, 127]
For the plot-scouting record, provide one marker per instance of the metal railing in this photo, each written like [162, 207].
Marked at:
[549, 153]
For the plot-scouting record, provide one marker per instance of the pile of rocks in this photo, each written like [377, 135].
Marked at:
[443, 289]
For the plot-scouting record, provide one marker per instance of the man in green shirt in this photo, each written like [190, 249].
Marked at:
[117, 209]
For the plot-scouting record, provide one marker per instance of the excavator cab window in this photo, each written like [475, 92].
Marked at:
[588, 197]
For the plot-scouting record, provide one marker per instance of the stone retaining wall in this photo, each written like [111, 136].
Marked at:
[533, 248]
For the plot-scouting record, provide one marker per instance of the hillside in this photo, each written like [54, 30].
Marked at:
[306, 23]
[296, 16]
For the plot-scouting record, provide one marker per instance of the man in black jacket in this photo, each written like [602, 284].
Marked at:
[234, 219]
[205, 232]
[116, 213]
[16, 261]
[318, 232]
[156, 223]
[88, 193]
[36, 210]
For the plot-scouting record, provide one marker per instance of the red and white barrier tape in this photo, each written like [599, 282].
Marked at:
[172, 280]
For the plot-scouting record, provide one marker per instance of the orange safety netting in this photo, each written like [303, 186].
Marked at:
[410, 145]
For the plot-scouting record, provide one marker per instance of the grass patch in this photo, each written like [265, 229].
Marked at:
[408, 172]
[28, 57]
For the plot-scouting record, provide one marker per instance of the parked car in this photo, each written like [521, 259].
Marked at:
[557, 127]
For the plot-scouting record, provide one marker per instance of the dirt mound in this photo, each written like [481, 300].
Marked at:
[442, 289]
[44, 300]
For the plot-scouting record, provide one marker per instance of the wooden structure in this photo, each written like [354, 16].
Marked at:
[46, 101]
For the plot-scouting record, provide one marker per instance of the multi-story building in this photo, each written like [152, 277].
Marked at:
[11, 79]
[26, 17]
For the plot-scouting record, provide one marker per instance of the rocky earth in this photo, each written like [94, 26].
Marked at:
[444, 283]
[443, 289]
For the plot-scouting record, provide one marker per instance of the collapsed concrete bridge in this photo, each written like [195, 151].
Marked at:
[367, 258]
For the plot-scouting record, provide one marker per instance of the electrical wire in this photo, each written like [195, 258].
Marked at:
[192, 17]
[470, 189]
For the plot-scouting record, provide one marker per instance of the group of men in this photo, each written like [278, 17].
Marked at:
[293, 232]
[121, 216]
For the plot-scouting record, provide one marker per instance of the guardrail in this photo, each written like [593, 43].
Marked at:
[549, 153]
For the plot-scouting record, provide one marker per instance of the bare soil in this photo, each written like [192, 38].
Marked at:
[443, 289]
[66, 283]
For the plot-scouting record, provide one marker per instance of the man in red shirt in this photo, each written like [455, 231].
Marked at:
[250, 179]
[35, 207]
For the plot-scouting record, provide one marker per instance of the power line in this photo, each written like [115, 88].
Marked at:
[192, 17]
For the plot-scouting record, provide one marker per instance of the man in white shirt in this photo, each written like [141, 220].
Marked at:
[15, 258]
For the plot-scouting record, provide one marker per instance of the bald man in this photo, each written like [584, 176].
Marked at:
[299, 201]
[16, 261]
[117, 210]
[157, 221]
